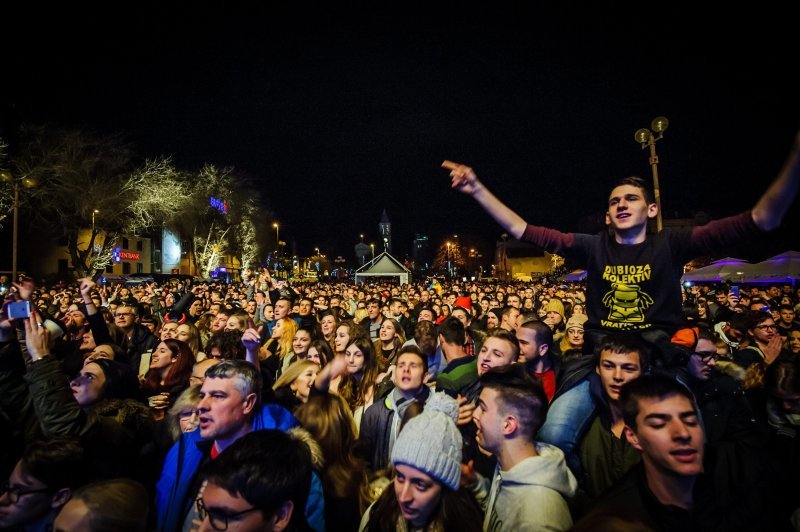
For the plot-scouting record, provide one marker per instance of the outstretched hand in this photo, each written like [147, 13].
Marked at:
[464, 178]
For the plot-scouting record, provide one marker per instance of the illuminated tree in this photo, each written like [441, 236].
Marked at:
[449, 254]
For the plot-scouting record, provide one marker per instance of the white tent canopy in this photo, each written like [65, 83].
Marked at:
[727, 269]
[783, 268]
[384, 265]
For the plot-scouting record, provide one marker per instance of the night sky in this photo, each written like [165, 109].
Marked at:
[338, 114]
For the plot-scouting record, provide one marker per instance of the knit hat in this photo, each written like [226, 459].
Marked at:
[555, 305]
[497, 312]
[576, 320]
[121, 381]
[431, 441]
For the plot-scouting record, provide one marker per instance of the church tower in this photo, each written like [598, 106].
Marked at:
[385, 232]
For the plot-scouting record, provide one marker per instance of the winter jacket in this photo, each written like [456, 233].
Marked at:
[530, 496]
[113, 431]
[174, 499]
[376, 429]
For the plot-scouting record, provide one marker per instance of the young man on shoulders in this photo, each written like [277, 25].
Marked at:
[633, 281]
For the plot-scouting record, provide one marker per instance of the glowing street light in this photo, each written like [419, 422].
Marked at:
[277, 226]
[647, 138]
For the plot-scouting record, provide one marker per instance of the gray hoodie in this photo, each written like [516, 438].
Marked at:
[529, 496]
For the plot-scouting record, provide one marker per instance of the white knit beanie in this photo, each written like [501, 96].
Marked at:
[431, 441]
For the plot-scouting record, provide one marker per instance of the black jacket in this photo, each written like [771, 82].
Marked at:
[376, 429]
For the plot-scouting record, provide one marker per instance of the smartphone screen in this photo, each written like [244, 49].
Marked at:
[144, 363]
[19, 309]
[735, 291]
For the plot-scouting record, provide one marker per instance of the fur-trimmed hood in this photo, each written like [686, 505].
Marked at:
[301, 434]
[129, 413]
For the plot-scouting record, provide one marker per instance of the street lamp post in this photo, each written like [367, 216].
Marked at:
[646, 138]
[277, 226]
[449, 269]
[372, 247]
[94, 212]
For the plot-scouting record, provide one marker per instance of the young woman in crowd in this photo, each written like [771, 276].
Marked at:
[328, 322]
[190, 335]
[320, 353]
[170, 367]
[345, 332]
[425, 493]
[294, 385]
[390, 339]
[279, 346]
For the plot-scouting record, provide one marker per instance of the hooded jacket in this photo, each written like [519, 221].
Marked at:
[529, 496]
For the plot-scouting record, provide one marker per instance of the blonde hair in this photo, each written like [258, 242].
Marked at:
[286, 338]
[291, 373]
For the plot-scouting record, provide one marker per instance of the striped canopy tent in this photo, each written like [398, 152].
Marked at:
[384, 265]
[727, 269]
[783, 268]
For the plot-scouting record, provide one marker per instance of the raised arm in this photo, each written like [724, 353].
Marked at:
[465, 180]
[770, 209]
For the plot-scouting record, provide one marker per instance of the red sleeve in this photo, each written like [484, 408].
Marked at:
[724, 233]
[548, 239]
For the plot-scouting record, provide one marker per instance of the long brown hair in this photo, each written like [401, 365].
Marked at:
[353, 390]
[330, 422]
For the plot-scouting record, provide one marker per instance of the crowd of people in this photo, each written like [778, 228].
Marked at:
[623, 403]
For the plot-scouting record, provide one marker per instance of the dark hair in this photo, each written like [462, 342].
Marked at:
[324, 350]
[57, 462]
[623, 344]
[637, 182]
[416, 350]
[783, 375]
[543, 333]
[453, 331]
[517, 390]
[267, 468]
[229, 344]
[429, 309]
[656, 386]
[118, 505]
[121, 381]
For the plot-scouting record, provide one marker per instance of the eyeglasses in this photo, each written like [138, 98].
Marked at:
[707, 356]
[15, 493]
[218, 521]
[122, 314]
[766, 327]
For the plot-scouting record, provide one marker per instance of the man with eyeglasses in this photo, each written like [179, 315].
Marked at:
[138, 338]
[763, 343]
[41, 483]
[261, 482]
